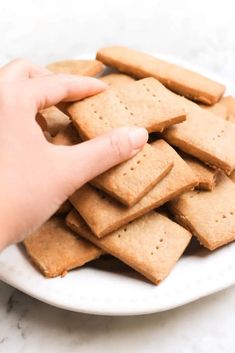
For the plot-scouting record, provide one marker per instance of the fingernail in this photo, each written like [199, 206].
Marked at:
[138, 136]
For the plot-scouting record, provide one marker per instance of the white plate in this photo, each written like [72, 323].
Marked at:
[104, 288]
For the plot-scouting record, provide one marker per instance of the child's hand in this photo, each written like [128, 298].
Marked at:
[36, 176]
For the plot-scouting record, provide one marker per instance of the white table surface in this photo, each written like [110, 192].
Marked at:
[202, 33]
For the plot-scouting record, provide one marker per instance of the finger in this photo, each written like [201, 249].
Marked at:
[21, 69]
[52, 89]
[81, 163]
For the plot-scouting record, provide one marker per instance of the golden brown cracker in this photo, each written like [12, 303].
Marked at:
[210, 216]
[205, 136]
[77, 67]
[104, 215]
[128, 182]
[55, 249]
[145, 103]
[151, 244]
[178, 79]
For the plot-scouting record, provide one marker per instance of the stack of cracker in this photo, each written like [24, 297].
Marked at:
[187, 168]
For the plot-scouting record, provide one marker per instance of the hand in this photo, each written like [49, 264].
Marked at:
[37, 176]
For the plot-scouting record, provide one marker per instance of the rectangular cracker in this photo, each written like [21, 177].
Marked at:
[157, 109]
[205, 136]
[151, 244]
[206, 176]
[178, 79]
[104, 215]
[210, 216]
[55, 249]
[128, 182]
[117, 80]
[218, 108]
[131, 180]
[77, 67]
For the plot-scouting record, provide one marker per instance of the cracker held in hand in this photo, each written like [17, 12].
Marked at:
[178, 79]
[151, 244]
[104, 215]
[77, 67]
[206, 176]
[210, 216]
[55, 249]
[145, 103]
[205, 136]
[130, 181]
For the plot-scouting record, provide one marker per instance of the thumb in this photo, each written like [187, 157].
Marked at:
[81, 163]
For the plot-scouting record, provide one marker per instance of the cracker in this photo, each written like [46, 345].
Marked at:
[218, 108]
[205, 136]
[128, 182]
[206, 176]
[56, 120]
[55, 249]
[178, 79]
[151, 244]
[157, 109]
[67, 137]
[117, 80]
[77, 67]
[104, 215]
[131, 180]
[229, 102]
[209, 215]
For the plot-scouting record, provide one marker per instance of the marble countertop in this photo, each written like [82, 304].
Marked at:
[29, 326]
[202, 33]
